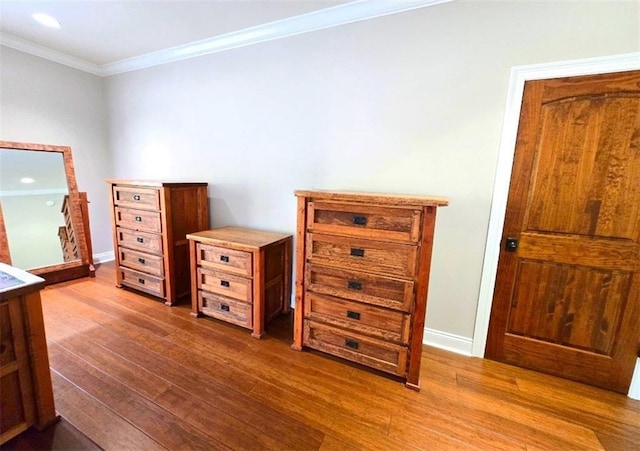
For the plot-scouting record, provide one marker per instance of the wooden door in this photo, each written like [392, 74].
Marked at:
[567, 297]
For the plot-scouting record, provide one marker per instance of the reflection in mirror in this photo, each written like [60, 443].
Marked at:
[41, 215]
[33, 192]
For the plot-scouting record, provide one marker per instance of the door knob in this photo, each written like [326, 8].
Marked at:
[511, 245]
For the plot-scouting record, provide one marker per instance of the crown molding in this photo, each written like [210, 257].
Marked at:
[49, 54]
[334, 16]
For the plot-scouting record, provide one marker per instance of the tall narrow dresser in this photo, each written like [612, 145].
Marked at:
[151, 220]
[362, 276]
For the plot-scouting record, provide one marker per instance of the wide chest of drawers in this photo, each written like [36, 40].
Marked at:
[362, 275]
[151, 220]
[241, 276]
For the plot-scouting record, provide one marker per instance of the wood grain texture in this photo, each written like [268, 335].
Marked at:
[155, 217]
[242, 275]
[355, 253]
[223, 258]
[131, 374]
[239, 238]
[26, 391]
[374, 289]
[86, 223]
[422, 289]
[155, 183]
[372, 250]
[372, 221]
[374, 198]
[301, 252]
[60, 436]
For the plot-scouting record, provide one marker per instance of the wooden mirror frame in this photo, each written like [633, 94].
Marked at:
[69, 270]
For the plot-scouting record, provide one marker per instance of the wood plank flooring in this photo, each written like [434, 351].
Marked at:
[132, 373]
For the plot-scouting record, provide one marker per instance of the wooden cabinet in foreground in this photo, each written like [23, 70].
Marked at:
[151, 220]
[26, 393]
[362, 276]
[242, 276]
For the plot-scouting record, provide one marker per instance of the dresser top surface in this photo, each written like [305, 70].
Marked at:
[154, 183]
[377, 198]
[238, 237]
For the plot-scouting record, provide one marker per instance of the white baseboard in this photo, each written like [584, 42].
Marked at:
[104, 257]
[447, 341]
[634, 389]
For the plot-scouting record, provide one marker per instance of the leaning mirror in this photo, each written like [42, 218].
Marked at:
[41, 223]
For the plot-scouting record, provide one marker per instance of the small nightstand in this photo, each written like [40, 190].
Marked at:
[242, 276]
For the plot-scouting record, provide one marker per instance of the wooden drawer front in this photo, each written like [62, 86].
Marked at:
[386, 223]
[143, 282]
[226, 284]
[148, 263]
[143, 241]
[228, 260]
[364, 318]
[138, 219]
[372, 352]
[372, 289]
[368, 255]
[139, 198]
[226, 309]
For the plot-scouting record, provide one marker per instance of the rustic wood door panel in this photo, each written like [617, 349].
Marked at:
[568, 305]
[567, 298]
[587, 170]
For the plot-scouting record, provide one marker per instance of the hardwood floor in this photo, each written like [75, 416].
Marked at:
[132, 373]
[61, 436]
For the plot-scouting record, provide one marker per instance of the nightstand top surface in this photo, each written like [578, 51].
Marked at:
[238, 237]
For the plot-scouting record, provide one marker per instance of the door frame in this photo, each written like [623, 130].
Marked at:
[519, 75]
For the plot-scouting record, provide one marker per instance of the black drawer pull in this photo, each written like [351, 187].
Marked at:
[353, 315]
[354, 285]
[140, 239]
[351, 344]
[136, 197]
[139, 218]
[224, 307]
[357, 252]
[360, 220]
[141, 281]
[141, 260]
[224, 283]
[224, 258]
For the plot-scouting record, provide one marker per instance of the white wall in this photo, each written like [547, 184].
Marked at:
[45, 102]
[31, 223]
[409, 103]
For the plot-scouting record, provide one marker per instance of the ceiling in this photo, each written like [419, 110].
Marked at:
[103, 32]
[111, 36]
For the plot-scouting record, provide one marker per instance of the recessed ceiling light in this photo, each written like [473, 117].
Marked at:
[26, 180]
[46, 20]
